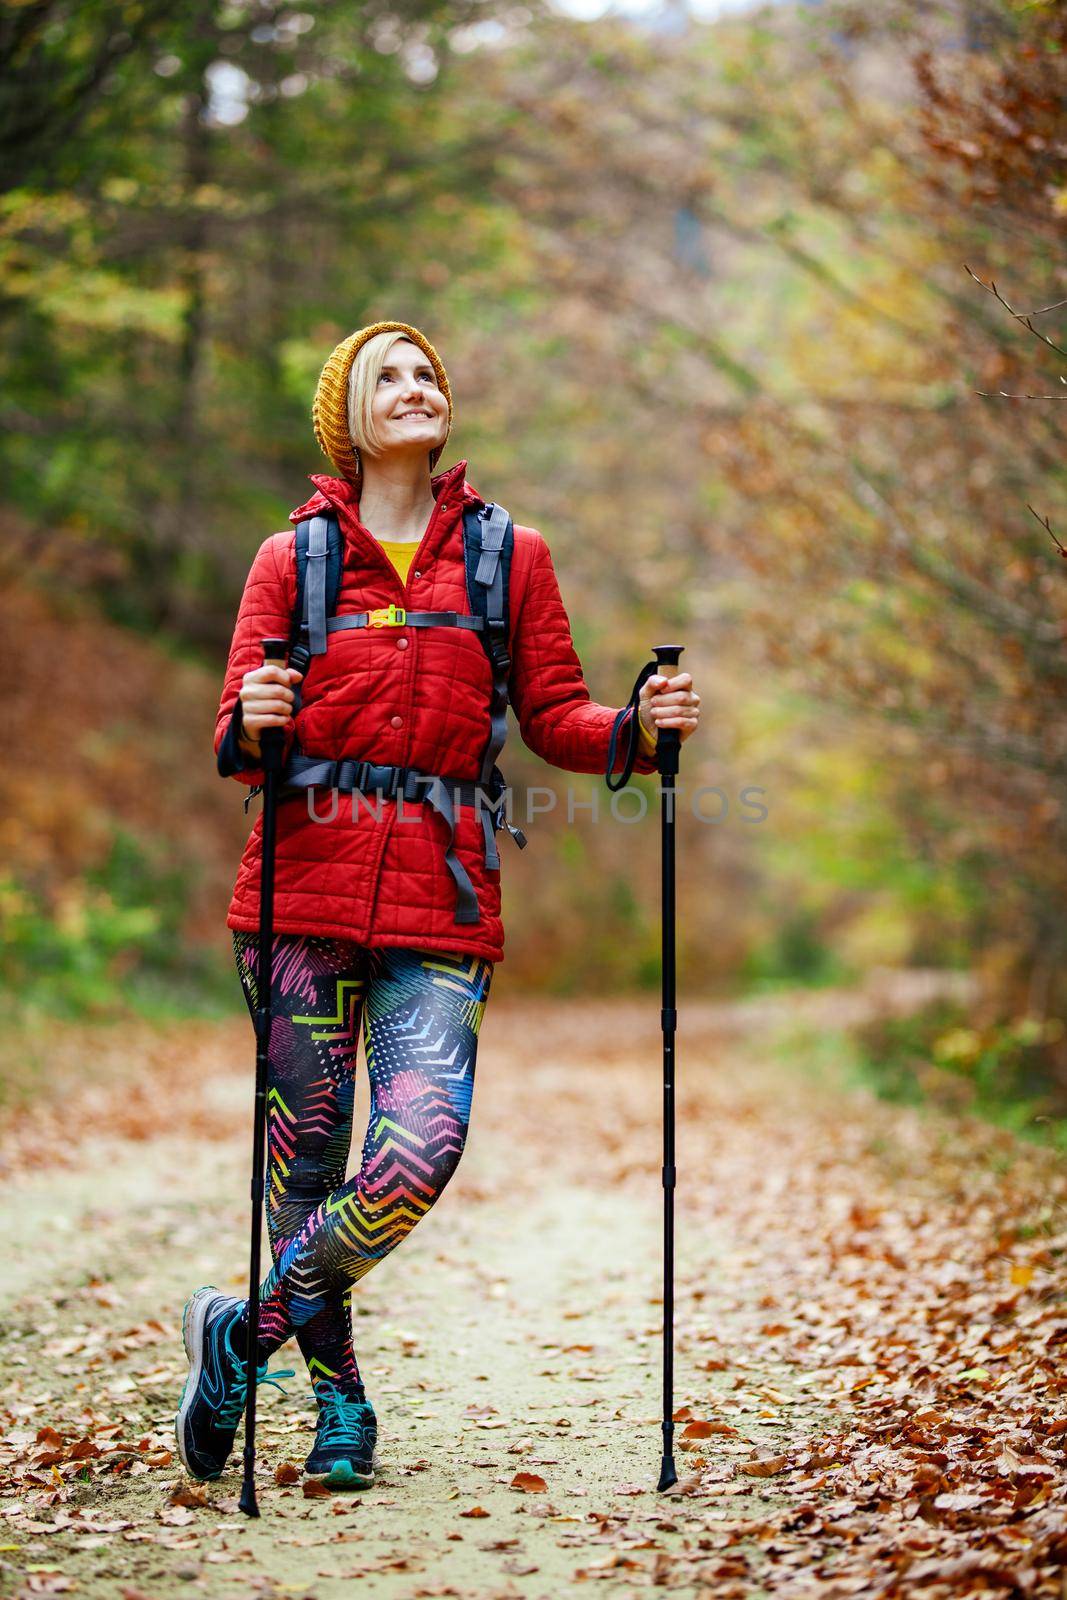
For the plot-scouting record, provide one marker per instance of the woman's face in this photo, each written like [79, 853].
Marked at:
[409, 410]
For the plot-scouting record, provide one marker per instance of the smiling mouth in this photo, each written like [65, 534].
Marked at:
[425, 415]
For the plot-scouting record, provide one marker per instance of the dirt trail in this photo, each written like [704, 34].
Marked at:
[517, 1331]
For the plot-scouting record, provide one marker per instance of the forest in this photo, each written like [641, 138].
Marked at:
[756, 313]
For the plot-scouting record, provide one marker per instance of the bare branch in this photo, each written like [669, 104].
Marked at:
[1020, 316]
[1002, 394]
[1048, 529]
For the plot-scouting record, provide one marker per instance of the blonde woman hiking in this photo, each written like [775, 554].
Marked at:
[387, 881]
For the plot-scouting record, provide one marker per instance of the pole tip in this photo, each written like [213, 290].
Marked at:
[247, 1501]
[667, 1474]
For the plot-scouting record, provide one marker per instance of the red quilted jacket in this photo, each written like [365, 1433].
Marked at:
[414, 697]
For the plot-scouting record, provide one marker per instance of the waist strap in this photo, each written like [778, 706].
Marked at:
[443, 793]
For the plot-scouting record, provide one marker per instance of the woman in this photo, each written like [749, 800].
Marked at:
[366, 927]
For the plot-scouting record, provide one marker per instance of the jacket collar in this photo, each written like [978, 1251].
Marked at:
[450, 489]
[451, 493]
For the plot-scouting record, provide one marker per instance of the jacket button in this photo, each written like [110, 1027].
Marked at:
[396, 722]
[401, 644]
[418, 574]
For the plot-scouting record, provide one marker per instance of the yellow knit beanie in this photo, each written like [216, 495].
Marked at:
[329, 410]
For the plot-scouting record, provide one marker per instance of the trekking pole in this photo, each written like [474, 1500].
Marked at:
[272, 744]
[668, 746]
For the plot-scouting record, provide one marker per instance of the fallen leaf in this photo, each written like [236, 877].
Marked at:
[185, 1494]
[528, 1480]
[766, 1467]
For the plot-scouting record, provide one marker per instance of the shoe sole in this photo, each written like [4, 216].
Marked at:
[343, 1475]
[193, 1317]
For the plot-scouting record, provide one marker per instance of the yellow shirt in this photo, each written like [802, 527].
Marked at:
[401, 553]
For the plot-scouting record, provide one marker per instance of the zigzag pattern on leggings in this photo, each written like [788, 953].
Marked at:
[422, 1015]
[310, 1097]
[421, 1012]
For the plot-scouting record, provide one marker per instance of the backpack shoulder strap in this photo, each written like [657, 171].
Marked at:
[319, 555]
[488, 542]
[319, 551]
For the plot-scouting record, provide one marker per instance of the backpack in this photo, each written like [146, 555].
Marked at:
[488, 543]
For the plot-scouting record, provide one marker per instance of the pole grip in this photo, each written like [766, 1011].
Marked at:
[668, 740]
[272, 740]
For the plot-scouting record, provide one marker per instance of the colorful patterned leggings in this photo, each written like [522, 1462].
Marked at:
[421, 1011]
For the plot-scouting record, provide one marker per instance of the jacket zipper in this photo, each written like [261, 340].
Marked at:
[403, 587]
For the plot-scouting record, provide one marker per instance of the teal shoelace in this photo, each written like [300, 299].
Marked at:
[229, 1413]
[344, 1420]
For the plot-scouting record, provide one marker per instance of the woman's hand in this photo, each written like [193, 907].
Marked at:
[266, 698]
[669, 703]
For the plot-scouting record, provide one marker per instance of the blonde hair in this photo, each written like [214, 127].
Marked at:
[363, 384]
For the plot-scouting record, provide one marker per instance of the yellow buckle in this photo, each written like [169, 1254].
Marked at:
[389, 616]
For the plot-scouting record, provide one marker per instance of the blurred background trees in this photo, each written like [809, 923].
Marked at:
[716, 295]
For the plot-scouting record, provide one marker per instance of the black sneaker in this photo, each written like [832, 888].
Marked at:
[344, 1454]
[213, 1399]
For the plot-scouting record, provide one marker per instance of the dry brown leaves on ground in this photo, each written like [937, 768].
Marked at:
[870, 1337]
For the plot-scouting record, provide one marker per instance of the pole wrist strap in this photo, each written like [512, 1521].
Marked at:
[633, 732]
